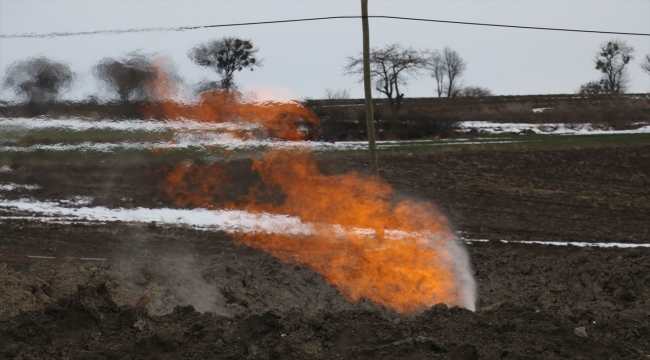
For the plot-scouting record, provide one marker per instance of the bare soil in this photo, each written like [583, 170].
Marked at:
[211, 298]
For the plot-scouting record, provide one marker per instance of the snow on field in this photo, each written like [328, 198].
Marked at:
[232, 221]
[226, 220]
[228, 142]
[221, 143]
[565, 243]
[12, 187]
[188, 134]
[551, 129]
[79, 124]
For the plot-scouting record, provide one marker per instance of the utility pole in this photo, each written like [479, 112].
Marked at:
[370, 121]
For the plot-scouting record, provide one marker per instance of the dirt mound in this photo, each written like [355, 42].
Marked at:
[219, 283]
[91, 325]
[535, 301]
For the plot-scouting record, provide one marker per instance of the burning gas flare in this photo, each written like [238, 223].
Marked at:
[399, 254]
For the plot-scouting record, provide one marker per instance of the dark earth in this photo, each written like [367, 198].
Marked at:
[211, 298]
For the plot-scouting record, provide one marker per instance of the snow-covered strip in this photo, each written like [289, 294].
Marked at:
[5, 169]
[77, 200]
[58, 257]
[232, 144]
[227, 142]
[233, 221]
[226, 220]
[565, 243]
[551, 129]
[362, 145]
[12, 186]
[79, 124]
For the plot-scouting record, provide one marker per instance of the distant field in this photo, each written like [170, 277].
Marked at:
[145, 147]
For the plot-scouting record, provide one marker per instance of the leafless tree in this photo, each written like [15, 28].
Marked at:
[475, 91]
[225, 56]
[454, 67]
[128, 76]
[611, 59]
[436, 65]
[390, 68]
[645, 64]
[39, 79]
[337, 94]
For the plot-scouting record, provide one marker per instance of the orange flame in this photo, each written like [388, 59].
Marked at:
[285, 121]
[281, 120]
[407, 274]
[368, 245]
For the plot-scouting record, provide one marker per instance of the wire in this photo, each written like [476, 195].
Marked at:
[185, 28]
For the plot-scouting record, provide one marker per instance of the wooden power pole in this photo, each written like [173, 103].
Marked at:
[370, 121]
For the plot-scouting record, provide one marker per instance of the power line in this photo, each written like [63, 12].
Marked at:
[185, 28]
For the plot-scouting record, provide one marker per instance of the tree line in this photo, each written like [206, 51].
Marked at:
[129, 78]
[392, 66]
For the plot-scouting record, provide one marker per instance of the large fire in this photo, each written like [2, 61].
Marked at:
[399, 254]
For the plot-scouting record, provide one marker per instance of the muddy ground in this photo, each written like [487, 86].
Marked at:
[534, 301]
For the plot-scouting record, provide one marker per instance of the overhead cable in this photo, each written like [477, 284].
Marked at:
[185, 28]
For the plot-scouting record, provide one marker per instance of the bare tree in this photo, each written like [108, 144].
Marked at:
[128, 77]
[225, 56]
[337, 94]
[475, 91]
[645, 64]
[390, 68]
[38, 80]
[436, 65]
[611, 59]
[454, 67]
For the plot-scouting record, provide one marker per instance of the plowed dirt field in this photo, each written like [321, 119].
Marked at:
[212, 298]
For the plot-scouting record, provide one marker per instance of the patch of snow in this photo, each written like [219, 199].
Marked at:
[12, 186]
[556, 129]
[226, 220]
[233, 221]
[79, 124]
[77, 200]
[565, 243]
[541, 110]
[5, 169]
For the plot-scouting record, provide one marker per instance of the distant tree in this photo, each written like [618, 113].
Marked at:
[128, 76]
[206, 85]
[436, 65]
[454, 67]
[645, 64]
[390, 68]
[611, 59]
[337, 94]
[226, 56]
[39, 79]
[592, 87]
[475, 91]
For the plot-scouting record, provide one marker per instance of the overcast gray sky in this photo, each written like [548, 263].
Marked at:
[303, 59]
